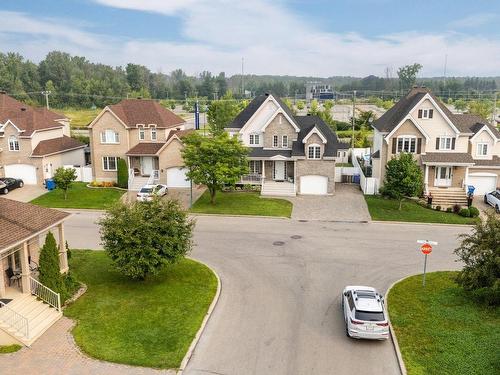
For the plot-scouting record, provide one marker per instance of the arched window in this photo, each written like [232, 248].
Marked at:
[13, 143]
[314, 151]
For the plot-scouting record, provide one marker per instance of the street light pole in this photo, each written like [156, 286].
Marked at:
[353, 112]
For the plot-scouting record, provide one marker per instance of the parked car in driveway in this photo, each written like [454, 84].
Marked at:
[148, 192]
[7, 184]
[364, 313]
[493, 199]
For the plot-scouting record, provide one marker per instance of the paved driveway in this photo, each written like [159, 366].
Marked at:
[182, 195]
[347, 205]
[26, 193]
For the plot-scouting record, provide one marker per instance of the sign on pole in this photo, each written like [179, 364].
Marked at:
[426, 249]
[196, 116]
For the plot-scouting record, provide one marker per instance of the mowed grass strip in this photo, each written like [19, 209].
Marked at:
[242, 203]
[80, 196]
[80, 117]
[442, 331]
[143, 323]
[387, 210]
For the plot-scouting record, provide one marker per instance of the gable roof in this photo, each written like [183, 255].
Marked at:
[26, 118]
[470, 123]
[145, 111]
[145, 148]
[20, 221]
[56, 146]
[180, 133]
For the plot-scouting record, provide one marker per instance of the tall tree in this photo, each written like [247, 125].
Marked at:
[64, 178]
[49, 270]
[221, 113]
[408, 75]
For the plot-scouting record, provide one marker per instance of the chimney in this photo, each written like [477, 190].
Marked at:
[178, 129]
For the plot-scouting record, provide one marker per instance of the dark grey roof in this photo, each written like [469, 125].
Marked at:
[495, 162]
[447, 157]
[470, 123]
[376, 155]
[308, 123]
[241, 119]
[260, 152]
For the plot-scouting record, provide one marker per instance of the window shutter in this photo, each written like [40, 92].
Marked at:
[453, 143]
[431, 111]
[419, 145]
[437, 143]
[419, 113]
[394, 144]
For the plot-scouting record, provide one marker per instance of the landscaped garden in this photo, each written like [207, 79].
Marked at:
[441, 330]
[80, 196]
[242, 203]
[147, 323]
[386, 209]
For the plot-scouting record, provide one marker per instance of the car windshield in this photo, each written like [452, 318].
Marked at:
[146, 190]
[370, 316]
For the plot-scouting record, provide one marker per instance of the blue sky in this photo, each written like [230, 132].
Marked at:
[299, 37]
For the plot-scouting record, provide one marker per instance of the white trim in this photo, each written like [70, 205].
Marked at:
[10, 122]
[482, 156]
[276, 113]
[58, 152]
[277, 138]
[116, 164]
[409, 137]
[277, 157]
[495, 139]
[438, 108]
[16, 141]
[107, 109]
[315, 145]
[283, 137]
[451, 143]
[407, 117]
[314, 130]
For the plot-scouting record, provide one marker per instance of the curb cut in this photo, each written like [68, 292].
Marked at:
[423, 224]
[394, 339]
[210, 310]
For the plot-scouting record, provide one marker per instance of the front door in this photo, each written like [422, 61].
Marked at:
[279, 170]
[147, 165]
[444, 176]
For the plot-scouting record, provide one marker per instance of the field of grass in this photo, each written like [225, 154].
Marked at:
[143, 323]
[239, 203]
[80, 196]
[442, 331]
[387, 210]
[80, 117]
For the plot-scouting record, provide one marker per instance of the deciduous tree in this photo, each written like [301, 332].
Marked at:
[64, 178]
[408, 75]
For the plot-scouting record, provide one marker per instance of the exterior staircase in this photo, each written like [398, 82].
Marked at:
[278, 189]
[26, 318]
[137, 183]
[448, 197]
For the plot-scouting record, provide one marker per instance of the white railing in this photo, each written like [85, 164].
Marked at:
[154, 176]
[254, 178]
[130, 177]
[14, 320]
[45, 294]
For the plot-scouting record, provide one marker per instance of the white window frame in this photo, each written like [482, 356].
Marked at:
[483, 146]
[407, 140]
[153, 131]
[105, 163]
[284, 141]
[255, 166]
[254, 139]
[426, 113]
[13, 143]
[316, 151]
[276, 141]
[110, 136]
[444, 144]
[142, 133]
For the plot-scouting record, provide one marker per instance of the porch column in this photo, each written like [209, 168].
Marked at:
[25, 268]
[466, 178]
[263, 170]
[295, 176]
[63, 255]
[426, 179]
[2, 279]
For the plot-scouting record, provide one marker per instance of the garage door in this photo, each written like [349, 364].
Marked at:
[176, 178]
[25, 172]
[483, 182]
[316, 185]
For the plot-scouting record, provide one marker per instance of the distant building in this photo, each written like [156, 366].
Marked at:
[318, 90]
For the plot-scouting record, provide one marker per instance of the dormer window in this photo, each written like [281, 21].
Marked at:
[142, 133]
[482, 149]
[153, 134]
[13, 143]
[110, 136]
[314, 151]
[425, 113]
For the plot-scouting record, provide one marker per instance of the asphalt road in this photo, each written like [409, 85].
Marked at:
[279, 310]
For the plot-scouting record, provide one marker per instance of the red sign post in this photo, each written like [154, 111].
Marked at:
[426, 248]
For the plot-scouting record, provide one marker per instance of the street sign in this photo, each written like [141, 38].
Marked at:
[426, 248]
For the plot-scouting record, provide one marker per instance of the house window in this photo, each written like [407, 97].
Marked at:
[275, 141]
[314, 152]
[407, 144]
[445, 143]
[110, 136]
[109, 163]
[254, 139]
[255, 166]
[13, 143]
[142, 134]
[425, 113]
[284, 141]
[153, 134]
[482, 149]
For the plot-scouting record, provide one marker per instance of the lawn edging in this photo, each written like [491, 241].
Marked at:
[420, 223]
[204, 323]
[194, 214]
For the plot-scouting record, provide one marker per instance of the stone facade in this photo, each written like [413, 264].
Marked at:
[307, 167]
[279, 126]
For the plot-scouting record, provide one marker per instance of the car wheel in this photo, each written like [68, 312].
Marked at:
[485, 199]
[347, 331]
[5, 190]
[497, 209]
[21, 184]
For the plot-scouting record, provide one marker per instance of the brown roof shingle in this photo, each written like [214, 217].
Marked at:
[495, 162]
[145, 148]
[145, 111]
[447, 157]
[56, 145]
[19, 221]
[180, 133]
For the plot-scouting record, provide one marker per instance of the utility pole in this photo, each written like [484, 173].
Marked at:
[46, 93]
[242, 77]
[444, 73]
[494, 115]
[353, 112]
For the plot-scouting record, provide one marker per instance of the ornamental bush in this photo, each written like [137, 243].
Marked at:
[122, 174]
[50, 274]
[464, 212]
[474, 212]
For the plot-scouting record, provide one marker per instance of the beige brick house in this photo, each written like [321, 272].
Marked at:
[34, 142]
[146, 135]
[454, 150]
[289, 154]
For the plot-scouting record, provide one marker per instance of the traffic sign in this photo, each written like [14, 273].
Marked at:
[426, 248]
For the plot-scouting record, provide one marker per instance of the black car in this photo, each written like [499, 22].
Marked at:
[7, 184]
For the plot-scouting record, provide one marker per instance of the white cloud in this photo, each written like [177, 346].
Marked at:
[474, 20]
[217, 33]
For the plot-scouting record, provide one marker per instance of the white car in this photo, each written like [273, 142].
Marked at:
[364, 313]
[147, 192]
[493, 199]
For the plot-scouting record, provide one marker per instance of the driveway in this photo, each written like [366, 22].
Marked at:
[347, 205]
[26, 193]
[182, 195]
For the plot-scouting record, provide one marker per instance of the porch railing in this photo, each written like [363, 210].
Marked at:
[252, 178]
[14, 320]
[154, 176]
[45, 294]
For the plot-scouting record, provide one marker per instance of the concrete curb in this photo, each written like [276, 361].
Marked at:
[244, 216]
[76, 210]
[394, 339]
[211, 308]
[417, 223]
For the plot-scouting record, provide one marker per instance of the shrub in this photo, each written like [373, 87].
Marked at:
[474, 212]
[429, 206]
[438, 208]
[457, 208]
[50, 274]
[64, 177]
[464, 212]
[449, 209]
[122, 174]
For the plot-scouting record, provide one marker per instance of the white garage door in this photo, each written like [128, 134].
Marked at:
[316, 185]
[25, 172]
[176, 178]
[483, 182]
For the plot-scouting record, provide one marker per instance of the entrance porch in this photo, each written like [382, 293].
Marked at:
[276, 176]
[143, 170]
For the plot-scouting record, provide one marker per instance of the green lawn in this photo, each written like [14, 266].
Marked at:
[440, 330]
[80, 117]
[5, 349]
[240, 203]
[387, 210]
[144, 323]
[79, 196]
